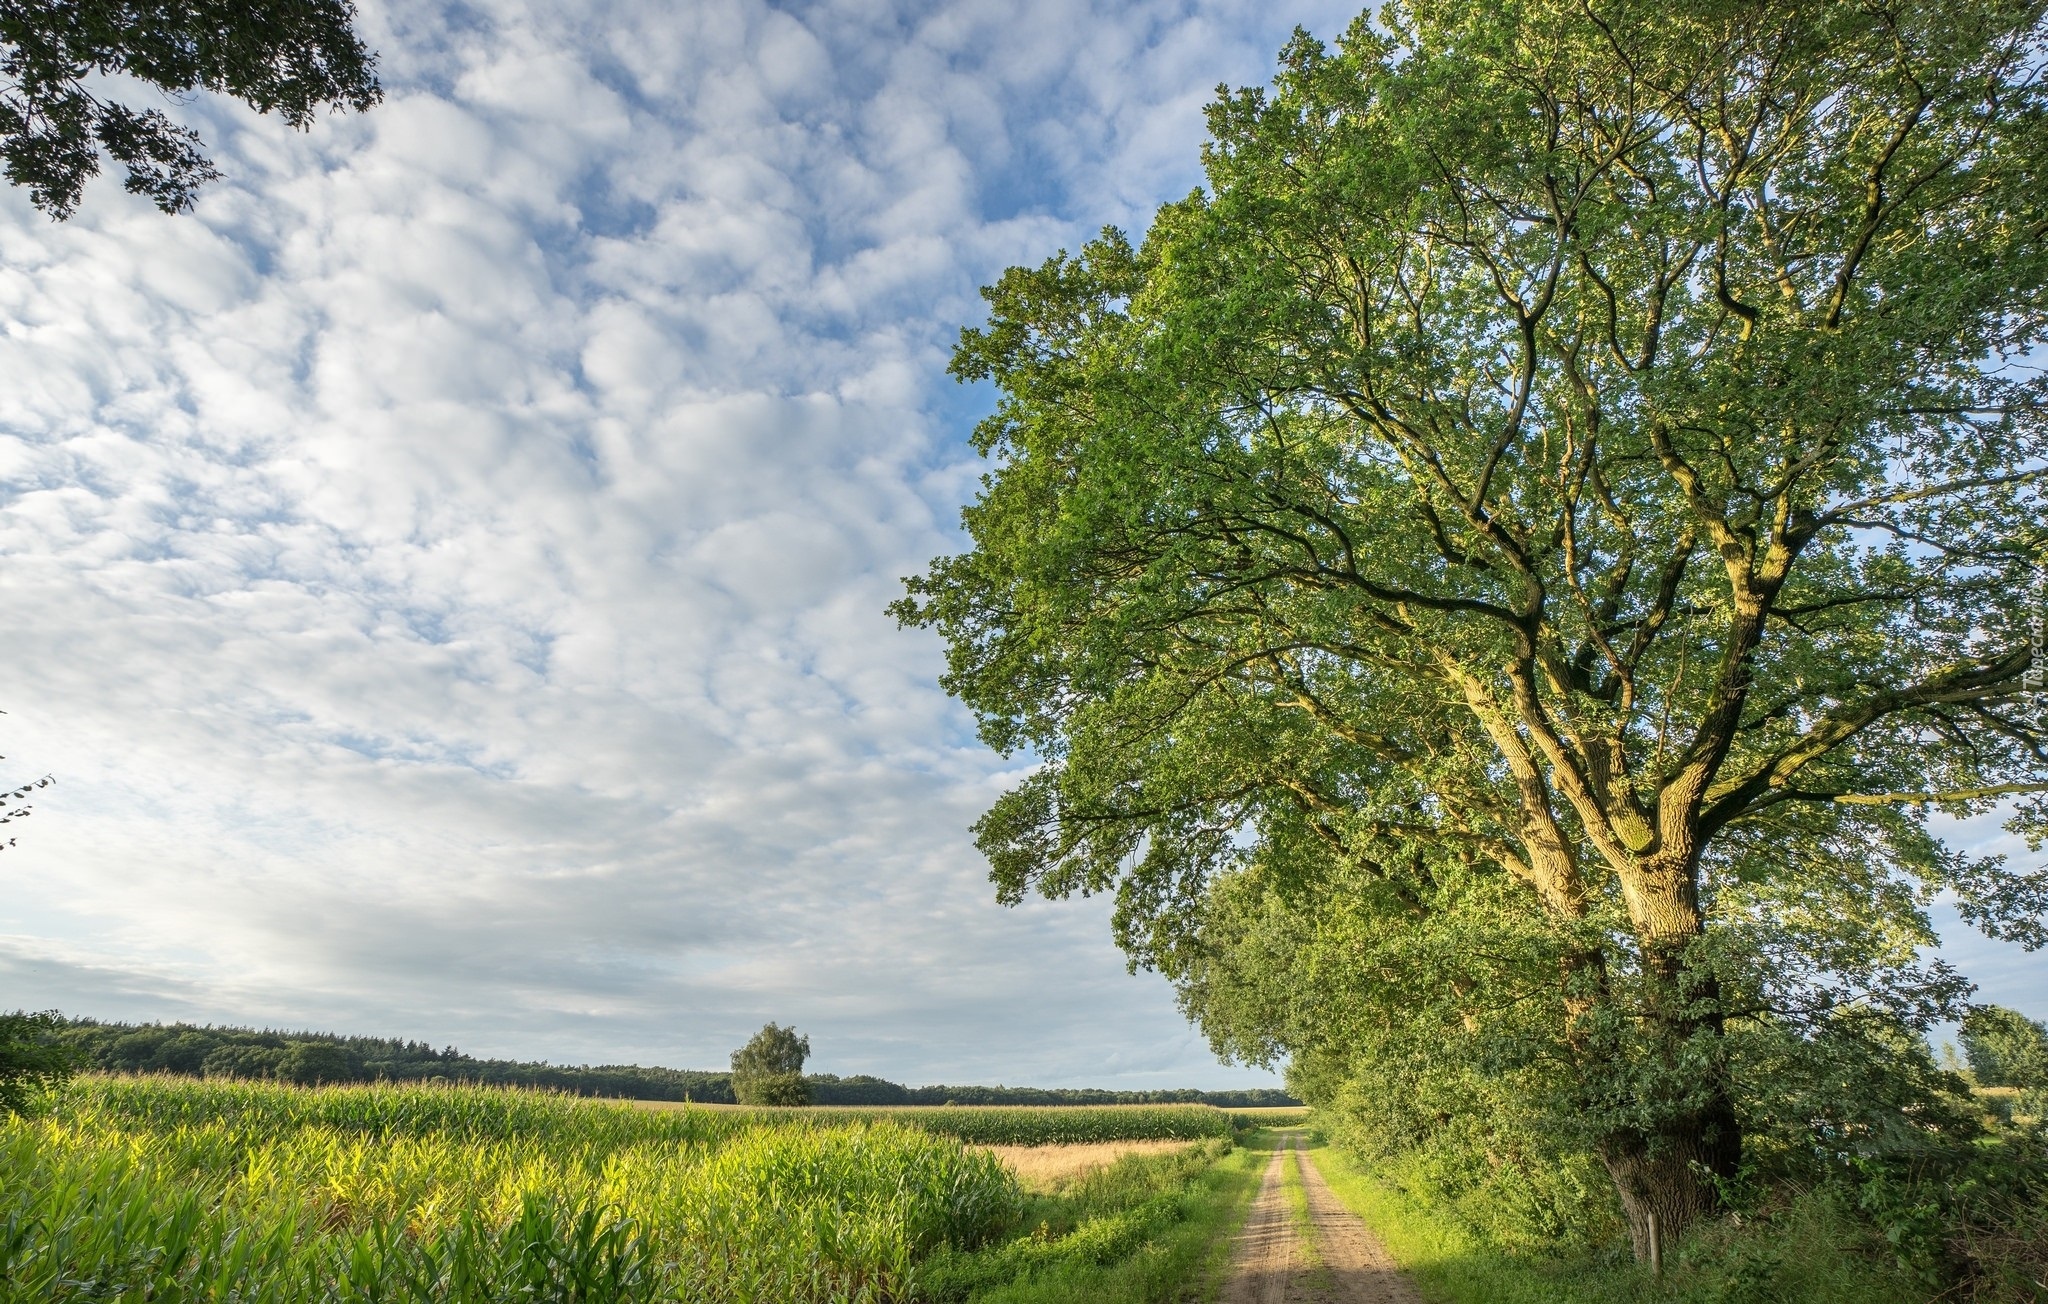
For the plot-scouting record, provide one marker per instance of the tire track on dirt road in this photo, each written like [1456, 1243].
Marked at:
[1262, 1260]
[1274, 1263]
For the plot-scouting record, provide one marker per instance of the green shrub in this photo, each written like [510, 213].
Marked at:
[1969, 1216]
[1458, 1143]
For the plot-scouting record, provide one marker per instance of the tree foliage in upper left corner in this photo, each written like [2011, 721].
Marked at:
[59, 58]
[29, 1063]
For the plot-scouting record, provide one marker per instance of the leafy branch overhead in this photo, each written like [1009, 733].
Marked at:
[1572, 474]
[61, 60]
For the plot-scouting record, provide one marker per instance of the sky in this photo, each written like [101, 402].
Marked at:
[445, 572]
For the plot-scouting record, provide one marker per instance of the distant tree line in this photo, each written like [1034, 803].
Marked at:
[320, 1057]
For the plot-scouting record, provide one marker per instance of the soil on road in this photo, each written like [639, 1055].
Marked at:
[1326, 1258]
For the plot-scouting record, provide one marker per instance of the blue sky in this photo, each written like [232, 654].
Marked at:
[445, 572]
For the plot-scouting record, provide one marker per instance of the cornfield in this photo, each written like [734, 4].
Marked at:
[170, 1190]
[1029, 1125]
[482, 1113]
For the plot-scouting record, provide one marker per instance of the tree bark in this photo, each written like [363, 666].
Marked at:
[1666, 1175]
[1671, 1174]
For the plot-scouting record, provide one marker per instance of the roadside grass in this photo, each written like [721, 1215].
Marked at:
[1296, 1192]
[1804, 1253]
[1148, 1229]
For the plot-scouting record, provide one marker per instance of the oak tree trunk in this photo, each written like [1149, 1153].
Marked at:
[1666, 1175]
[1670, 1176]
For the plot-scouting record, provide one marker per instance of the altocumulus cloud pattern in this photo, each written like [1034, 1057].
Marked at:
[446, 570]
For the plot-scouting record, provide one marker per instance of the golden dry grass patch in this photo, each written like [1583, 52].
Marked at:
[1040, 1168]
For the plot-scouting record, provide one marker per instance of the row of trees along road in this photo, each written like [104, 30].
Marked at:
[1498, 579]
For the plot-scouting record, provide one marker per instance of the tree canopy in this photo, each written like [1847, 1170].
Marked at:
[1497, 580]
[59, 59]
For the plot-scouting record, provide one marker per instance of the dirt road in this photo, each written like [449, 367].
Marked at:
[1327, 1257]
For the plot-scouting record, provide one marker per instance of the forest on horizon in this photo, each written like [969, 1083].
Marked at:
[192, 1050]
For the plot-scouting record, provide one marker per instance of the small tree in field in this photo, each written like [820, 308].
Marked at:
[1497, 580]
[769, 1070]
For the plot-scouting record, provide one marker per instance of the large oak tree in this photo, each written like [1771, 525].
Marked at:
[1554, 512]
